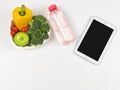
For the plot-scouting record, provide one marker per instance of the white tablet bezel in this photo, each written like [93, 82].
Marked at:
[87, 57]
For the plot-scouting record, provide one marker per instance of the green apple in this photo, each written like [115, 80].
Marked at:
[21, 39]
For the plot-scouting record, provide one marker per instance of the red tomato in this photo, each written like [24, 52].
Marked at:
[12, 33]
[14, 28]
[24, 29]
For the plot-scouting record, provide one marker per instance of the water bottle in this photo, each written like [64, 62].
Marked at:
[60, 25]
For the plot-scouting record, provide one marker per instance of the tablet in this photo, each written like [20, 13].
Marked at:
[95, 40]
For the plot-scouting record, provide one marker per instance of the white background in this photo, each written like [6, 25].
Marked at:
[53, 66]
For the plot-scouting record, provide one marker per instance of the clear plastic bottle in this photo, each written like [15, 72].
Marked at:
[60, 25]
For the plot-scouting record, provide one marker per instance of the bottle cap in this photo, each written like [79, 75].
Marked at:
[52, 7]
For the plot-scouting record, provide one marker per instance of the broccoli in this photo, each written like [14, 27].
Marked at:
[39, 18]
[38, 30]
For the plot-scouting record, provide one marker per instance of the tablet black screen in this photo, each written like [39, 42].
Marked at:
[95, 40]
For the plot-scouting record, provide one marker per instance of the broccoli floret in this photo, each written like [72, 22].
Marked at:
[37, 33]
[36, 24]
[45, 35]
[39, 18]
[45, 27]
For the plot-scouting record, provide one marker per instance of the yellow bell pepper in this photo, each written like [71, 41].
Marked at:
[22, 16]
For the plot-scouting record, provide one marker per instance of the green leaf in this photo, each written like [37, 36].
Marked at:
[30, 24]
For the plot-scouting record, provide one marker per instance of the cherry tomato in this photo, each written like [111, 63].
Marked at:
[24, 29]
[12, 33]
[14, 28]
